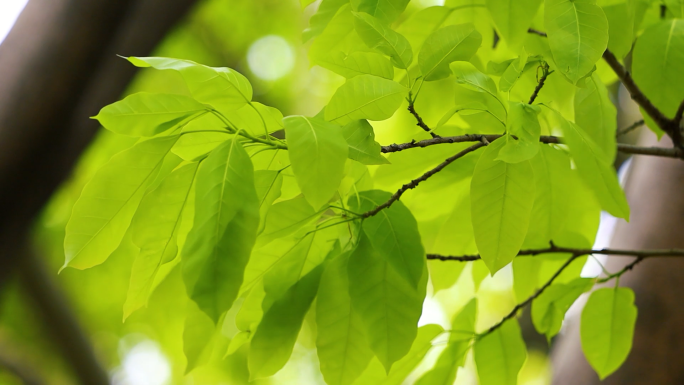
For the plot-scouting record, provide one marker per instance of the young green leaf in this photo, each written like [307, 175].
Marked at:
[268, 184]
[223, 88]
[324, 14]
[512, 19]
[578, 35]
[453, 357]
[523, 122]
[276, 335]
[338, 36]
[607, 328]
[198, 331]
[103, 212]
[675, 8]
[154, 227]
[513, 72]
[365, 97]
[500, 355]
[379, 36]
[224, 231]
[286, 217]
[393, 233]
[318, 152]
[596, 114]
[469, 77]
[363, 148]
[146, 114]
[548, 310]
[446, 45]
[254, 116]
[340, 339]
[502, 196]
[419, 25]
[357, 63]
[595, 169]
[620, 17]
[659, 63]
[385, 10]
[389, 306]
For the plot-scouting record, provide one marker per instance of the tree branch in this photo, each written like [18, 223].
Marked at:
[623, 271]
[421, 123]
[483, 142]
[631, 127]
[545, 73]
[537, 32]
[529, 300]
[569, 250]
[625, 148]
[678, 116]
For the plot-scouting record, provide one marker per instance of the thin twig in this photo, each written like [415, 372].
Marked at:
[526, 302]
[537, 32]
[678, 116]
[625, 148]
[631, 127]
[545, 73]
[422, 178]
[569, 250]
[420, 123]
[623, 271]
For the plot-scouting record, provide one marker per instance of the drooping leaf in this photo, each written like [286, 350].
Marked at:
[198, 331]
[341, 342]
[146, 114]
[154, 227]
[453, 357]
[512, 19]
[286, 217]
[446, 45]
[596, 115]
[500, 355]
[389, 306]
[469, 77]
[393, 233]
[224, 231]
[502, 195]
[620, 17]
[104, 210]
[223, 88]
[548, 310]
[275, 337]
[318, 152]
[268, 184]
[324, 14]
[358, 63]
[363, 148]
[658, 64]
[385, 10]
[365, 97]
[578, 35]
[513, 72]
[379, 36]
[595, 169]
[523, 122]
[607, 328]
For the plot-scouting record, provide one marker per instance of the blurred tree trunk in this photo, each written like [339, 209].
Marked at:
[654, 189]
[57, 68]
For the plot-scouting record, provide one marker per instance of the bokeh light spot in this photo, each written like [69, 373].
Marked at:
[270, 57]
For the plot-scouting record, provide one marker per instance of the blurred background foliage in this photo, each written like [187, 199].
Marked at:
[262, 40]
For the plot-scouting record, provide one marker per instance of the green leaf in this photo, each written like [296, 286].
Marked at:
[607, 328]
[384, 10]
[578, 35]
[548, 310]
[276, 335]
[363, 148]
[512, 18]
[194, 145]
[596, 115]
[103, 212]
[502, 196]
[379, 36]
[286, 217]
[595, 169]
[340, 340]
[268, 184]
[223, 88]
[324, 14]
[658, 64]
[453, 356]
[198, 331]
[419, 25]
[146, 114]
[338, 36]
[318, 152]
[620, 27]
[469, 77]
[365, 97]
[305, 3]
[675, 8]
[224, 231]
[525, 276]
[357, 63]
[500, 355]
[155, 227]
[253, 116]
[523, 122]
[513, 72]
[393, 233]
[388, 305]
[446, 45]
